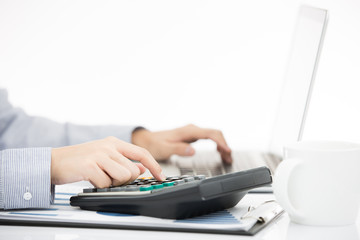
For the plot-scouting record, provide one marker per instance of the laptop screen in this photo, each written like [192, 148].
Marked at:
[299, 77]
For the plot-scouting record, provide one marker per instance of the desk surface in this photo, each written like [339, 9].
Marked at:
[279, 230]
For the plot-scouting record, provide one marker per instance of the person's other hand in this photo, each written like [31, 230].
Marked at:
[103, 162]
[177, 141]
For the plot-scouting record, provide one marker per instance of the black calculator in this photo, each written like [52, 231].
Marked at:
[177, 197]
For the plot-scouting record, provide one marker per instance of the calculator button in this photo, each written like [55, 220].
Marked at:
[166, 181]
[146, 188]
[103, 190]
[150, 181]
[132, 188]
[134, 183]
[146, 178]
[155, 183]
[160, 182]
[117, 189]
[184, 176]
[158, 186]
[168, 184]
[173, 178]
[189, 179]
[200, 177]
[89, 190]
[177, 182]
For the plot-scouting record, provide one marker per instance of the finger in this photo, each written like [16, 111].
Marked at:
[217, 137]
[181, 149]
[140, 154]
[98, 178]
[225, 156]
[119, 173]
[129, 165]
[192, 132]
[141, 168]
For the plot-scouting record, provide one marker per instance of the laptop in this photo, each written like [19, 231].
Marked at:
[294, 103]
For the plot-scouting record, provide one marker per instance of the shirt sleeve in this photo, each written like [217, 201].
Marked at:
[19, 130]
[25, 180]
[25, 159]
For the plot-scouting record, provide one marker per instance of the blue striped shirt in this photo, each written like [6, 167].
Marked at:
[25, 178]
[25, 153]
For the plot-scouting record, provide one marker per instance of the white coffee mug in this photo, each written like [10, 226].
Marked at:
[318, 182]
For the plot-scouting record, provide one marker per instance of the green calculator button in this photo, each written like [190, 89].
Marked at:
[146, 188]
[168, 184]
[157, 186]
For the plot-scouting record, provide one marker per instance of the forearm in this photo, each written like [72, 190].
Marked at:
[19, 130]
[25, 180]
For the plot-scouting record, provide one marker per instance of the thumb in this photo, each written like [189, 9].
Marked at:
[182, 149]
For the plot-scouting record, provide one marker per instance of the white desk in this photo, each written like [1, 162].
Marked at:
[279, 230]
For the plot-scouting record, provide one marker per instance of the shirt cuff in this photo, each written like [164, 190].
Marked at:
[25, 180]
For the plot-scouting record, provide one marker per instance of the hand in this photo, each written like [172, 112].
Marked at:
[103, 162]
[165, 143]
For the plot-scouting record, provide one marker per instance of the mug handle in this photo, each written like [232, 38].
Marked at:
[281, 184]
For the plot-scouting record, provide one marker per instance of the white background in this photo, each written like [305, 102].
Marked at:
[163, 64]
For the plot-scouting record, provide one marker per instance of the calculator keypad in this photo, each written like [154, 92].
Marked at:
[147, 184]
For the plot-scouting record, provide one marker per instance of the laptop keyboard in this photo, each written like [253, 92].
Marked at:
[210, 163]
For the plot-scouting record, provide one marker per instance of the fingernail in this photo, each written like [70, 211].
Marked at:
[189, 150]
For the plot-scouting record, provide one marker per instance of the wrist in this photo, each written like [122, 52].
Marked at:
[141, 137]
